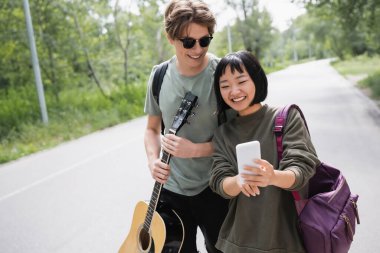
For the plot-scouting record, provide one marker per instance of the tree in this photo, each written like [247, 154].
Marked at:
[15, 64]
[123, 44]
[255, 26]
[355, 23]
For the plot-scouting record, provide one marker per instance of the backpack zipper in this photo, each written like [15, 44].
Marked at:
[347, 220]
[356, 211]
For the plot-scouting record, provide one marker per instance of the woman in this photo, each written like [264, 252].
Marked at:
[262, 216]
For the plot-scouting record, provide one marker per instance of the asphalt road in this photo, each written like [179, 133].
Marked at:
[79, 197]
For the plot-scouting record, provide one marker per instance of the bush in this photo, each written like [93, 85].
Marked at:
[17, 106]
[373, 82]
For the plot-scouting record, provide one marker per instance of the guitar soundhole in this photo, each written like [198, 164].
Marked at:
[144, 239]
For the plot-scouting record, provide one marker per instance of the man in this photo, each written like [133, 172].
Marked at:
[189, 26]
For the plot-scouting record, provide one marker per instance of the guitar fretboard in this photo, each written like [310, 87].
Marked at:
[155, 195]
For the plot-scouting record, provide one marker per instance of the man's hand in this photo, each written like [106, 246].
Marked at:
[160, 171]
[177, 146]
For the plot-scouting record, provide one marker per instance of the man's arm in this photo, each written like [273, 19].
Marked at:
[152, 138]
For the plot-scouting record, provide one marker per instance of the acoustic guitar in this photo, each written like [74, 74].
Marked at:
[159, 230]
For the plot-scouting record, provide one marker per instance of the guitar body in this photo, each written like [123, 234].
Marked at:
[166, 232]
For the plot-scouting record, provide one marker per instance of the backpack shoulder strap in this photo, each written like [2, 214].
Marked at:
[158, 78]
[279, 126]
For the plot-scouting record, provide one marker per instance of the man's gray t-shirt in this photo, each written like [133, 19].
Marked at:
[188, 176]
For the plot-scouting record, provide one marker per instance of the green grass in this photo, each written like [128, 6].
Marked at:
[79, 114]
[38, 136]
[372, 82]
[361, 65]
[367, 68]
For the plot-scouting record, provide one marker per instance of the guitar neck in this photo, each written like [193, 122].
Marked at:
[152, 205]
[165, 158]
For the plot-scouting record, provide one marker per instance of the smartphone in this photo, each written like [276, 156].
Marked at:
[246, 153]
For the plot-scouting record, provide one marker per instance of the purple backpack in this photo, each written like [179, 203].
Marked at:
[327, 219]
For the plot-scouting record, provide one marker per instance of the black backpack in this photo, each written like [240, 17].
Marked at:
[157, 83]
[158, 78]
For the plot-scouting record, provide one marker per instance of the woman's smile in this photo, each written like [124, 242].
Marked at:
[238, 99]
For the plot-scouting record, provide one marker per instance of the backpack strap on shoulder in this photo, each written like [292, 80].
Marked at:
[279, 126]
[158, 78]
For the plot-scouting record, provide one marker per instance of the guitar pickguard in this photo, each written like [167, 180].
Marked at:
[174, 229]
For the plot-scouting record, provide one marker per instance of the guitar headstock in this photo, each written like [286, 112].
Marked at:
[184, 111]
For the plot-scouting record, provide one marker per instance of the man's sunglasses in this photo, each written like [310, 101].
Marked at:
[190, 42]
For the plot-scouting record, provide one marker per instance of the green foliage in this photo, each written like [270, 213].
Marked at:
[90, 83]
[82, 112]
[219, 45]
[360, 65]
[353, 30]
[373, 82]
[17, 106]
[253, 25]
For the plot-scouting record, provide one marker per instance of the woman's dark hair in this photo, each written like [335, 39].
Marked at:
[239, 61]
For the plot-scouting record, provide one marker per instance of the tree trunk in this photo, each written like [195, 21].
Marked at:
[91, 70]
